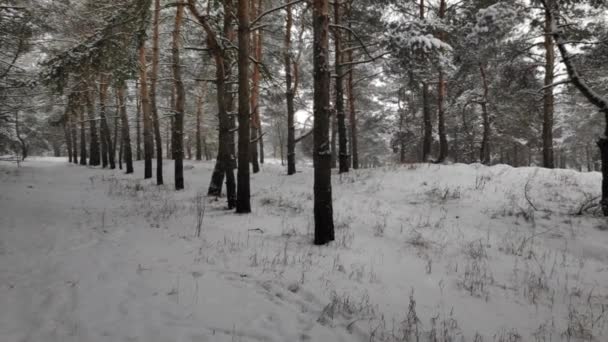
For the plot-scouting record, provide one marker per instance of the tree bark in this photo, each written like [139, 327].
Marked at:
[137, 121]
[94, 138]
[106, 146]
[256, 38]
[289, 94]
[126, 139]
[548, 97]
[177, 141]
[485, 154]
[441, 89]
[199, 117]
[323, 210]
[145, 109]
[354, 148]
[243, 194]
[153, 81]
[427, 141]
[224, 162]
[83, 134]
[339, 84]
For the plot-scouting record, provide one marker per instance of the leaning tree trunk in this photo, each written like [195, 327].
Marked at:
[340, 111]
[243, 192]
[145, 109]
[94, 139]
[323, 209]
[126, 139]
[153, 81]
[177, 141]
[552, 13]
[289, 94]
[224, 165]
[548, 97]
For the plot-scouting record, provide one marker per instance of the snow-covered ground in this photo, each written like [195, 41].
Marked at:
[422, 253]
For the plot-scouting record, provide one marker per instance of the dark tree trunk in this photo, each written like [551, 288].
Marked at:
[289, 94]
[68, 138]
[441, 89]
[199, 118]
[548, 97]
[334, 136]
[256, 38]
[137, 122]
[83, 134]
[224, 166]
[106, 139]
[485, 154]
[428, 126]
[145, 109]
[152, 90]
[94, 142]
[354, 148]
[125, 137]
[261, 142]
[340, 111]
[177, 141]
[243, 194]
[323, 209]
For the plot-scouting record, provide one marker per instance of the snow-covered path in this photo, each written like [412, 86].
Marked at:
[439, 251]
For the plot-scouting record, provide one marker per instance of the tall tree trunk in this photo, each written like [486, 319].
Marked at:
[548, 97]
[289, 94]
[441, 89]
[224, 163]
[116, 117]
[485, 153]
[354, 148]
[105, 128]
[199, 117]
[125, 139]
[323, 209]
[334, 136]
[256, 38]
[137, 122]
[94, 139]
[153, 82]
[261, 142]
[83, 134]
[243, 194]
[145, 109]
[74, 131]
[68, 136]
[600, 102]
[177, 141]
[340, 111]
[427, 141]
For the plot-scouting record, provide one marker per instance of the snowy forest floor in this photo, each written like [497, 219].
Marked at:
[422, 253]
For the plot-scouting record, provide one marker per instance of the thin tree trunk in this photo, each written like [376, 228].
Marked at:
[323, 209]
[485, 154]
[199, 118]
[145, 109]
[354, 148]
[427, 141]
[83, 134]
[441, 89]
[548, 97]
[334, 137]
[180, 101]
[256, 38]
[106, 138]
[243, 194]
[137, 121]
[261, 142]
[94, 138]
[153, 81]
[125, 139]
[291, 130]
[340, 111]
[68, 137]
